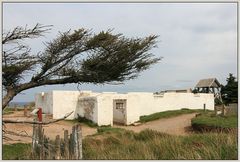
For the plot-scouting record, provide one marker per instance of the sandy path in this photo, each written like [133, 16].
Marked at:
[175, 125]
[50, 130]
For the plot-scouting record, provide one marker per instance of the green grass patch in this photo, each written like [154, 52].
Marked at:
[17, 151]
[83, 120]
[167, 114]
[152, 145]
[211, 120]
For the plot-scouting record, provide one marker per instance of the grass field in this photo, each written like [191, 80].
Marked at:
[167, 114]
[150, 144]
[117, 143]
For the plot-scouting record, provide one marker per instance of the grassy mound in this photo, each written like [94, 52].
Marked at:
[208, 122]
[167, 114]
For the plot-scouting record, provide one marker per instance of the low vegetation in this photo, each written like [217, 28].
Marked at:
[83, 120]
[116, 143]
[108, 129]
[167, 114]
[17, 151]
[209, 121]
[119, 144]
[150, 144]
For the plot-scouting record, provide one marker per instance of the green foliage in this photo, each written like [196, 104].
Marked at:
[150, 145]
[17, 151]
[167, 114]
[215, 121]
[230, 90]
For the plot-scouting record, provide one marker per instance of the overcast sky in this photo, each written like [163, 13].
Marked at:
[196, 40]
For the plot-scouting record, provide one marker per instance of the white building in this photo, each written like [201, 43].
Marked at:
[108, 107]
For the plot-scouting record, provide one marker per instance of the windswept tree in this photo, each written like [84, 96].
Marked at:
[79, 56]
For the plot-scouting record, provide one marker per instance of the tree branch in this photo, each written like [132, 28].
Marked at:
[19, 33]
[36, 122]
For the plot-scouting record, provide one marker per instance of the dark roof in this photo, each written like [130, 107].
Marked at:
[211, 82]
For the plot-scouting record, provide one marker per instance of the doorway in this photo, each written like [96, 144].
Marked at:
[119, 111]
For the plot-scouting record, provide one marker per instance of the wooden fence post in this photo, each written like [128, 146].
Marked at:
[66, 145]
[57, 148]
[74, 143]
[34, 140]
[71, 153]
[49, 151]
[42, 148]
[39, 145]
[79, 141]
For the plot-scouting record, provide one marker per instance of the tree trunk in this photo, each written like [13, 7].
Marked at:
[8, 97]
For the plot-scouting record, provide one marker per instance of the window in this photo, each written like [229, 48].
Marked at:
[119, 105]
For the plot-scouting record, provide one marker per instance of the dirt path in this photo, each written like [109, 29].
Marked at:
[50, 130]
[175, 125]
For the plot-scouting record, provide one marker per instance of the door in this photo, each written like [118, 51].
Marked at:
[119, 111]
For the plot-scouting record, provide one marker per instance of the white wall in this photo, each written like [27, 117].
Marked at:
[139, 104]
[105, 108]
[60, 103]
[88, 108]
[45, 101]
[65, 102]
